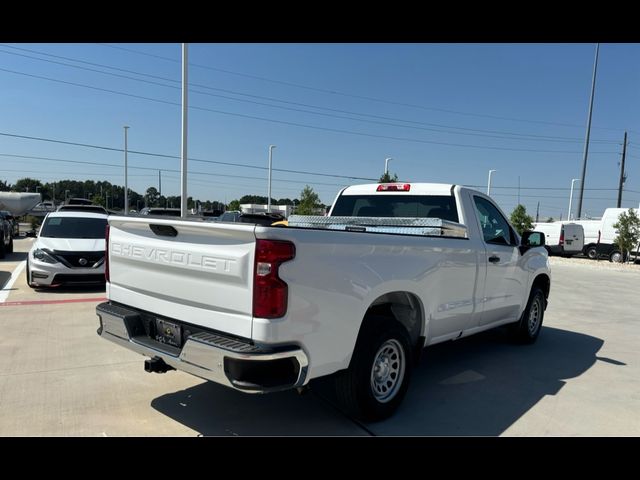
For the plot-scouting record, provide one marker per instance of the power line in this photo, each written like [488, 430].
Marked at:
[164, 169]
[344, 94]
[465, 131]
[282, 122]
[161, 155]
[537, 188]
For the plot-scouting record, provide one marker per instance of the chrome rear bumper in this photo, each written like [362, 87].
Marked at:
[205, 354]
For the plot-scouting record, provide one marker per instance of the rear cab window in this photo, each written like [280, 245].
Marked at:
[418, 206]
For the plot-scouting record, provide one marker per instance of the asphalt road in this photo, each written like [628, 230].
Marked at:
[582, 377]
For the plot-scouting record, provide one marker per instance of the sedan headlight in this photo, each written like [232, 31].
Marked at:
[43, 256]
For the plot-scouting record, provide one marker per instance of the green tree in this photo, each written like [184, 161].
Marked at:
[234, 205]
[27, 185]
[386, 178]
[4, 186]
[628, 227]
[520, 220]
[151, 197]
[550, 220]
[309, 202]
[99, 200]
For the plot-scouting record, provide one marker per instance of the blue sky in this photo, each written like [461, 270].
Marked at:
[443, 112]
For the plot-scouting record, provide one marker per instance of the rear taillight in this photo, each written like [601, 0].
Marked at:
[270, 293]
[106, 253]
[562, 236]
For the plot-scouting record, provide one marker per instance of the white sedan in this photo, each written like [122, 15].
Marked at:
[69, 250]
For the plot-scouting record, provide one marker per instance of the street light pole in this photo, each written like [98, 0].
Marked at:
[386, 165]
[126, 179]
[183, 160]
[271, 147]
[571, 197]
[586, 141]
[489, 182]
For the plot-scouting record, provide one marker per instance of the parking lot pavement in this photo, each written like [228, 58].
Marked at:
[582, 377]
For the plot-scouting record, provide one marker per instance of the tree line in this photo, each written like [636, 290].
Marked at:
[111, 196]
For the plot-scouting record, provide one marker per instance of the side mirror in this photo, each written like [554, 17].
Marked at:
[531, 240]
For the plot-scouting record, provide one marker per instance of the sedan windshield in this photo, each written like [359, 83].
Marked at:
[74, 227]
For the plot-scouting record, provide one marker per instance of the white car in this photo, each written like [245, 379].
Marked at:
[69, 250]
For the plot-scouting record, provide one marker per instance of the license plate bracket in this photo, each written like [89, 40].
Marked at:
[169, 333]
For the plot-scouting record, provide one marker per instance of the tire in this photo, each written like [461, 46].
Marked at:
[10, 247]
[616, 257]
[3, 249]
[377, 379]
[591, 253]
[527, 329]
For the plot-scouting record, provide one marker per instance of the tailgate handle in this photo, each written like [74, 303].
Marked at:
[163, 230]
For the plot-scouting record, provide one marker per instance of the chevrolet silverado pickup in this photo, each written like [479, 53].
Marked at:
[355, 295]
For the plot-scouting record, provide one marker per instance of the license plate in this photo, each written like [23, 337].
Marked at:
[169, 333]
[569, 242]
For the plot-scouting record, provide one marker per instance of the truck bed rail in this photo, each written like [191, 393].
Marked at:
[398, 225]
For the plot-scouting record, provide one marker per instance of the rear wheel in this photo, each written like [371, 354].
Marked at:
[3, 249]
[10, 247]
[527, 329]
[377, 379]
[616, 257]
[591, 252]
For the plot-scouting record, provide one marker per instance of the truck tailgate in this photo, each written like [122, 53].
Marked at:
[203, 275]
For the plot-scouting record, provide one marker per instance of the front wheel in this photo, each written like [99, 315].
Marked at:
[592, 253]
[377, 379]
[527, 329]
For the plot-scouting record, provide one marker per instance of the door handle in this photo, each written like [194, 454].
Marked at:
[494, 259]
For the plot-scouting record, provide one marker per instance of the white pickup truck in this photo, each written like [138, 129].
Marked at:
[357, 294]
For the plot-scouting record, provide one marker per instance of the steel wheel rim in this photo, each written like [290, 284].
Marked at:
[387, 371]
[534, 316]
[591, 254]
[616, 257]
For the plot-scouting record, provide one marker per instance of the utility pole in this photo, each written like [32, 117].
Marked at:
[518, 189]
[622, 175]
[126, 181]
[537, 212]
[159, 187]
[586, 141]
[271, 147]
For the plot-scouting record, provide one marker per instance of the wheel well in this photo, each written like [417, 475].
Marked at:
[403, 307]
[544, 282]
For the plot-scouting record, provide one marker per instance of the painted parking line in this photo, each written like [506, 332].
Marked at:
[49, 302]
[4, 293]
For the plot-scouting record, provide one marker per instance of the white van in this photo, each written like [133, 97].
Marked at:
[608, 234]
[591, 231]
[566, 239]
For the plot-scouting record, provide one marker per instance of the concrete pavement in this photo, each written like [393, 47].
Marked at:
[582, 377]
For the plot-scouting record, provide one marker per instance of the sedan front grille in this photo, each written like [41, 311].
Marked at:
[79, 259]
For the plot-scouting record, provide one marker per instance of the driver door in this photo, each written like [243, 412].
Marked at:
[503, 284]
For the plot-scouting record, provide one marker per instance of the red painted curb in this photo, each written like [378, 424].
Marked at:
[48, 302]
